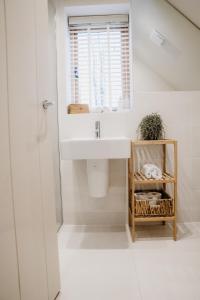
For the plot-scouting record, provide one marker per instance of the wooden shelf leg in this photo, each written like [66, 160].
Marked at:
[130, 219]
[174, 230]
[133, 229]
[133, 157]
[175, 189]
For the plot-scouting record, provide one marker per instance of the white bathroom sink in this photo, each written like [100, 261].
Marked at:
[90, 148]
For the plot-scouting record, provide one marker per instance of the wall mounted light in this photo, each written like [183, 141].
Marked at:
[157, 38]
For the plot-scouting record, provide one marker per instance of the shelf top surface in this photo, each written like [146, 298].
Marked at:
[153, 142]
[140, 178]
[154, 218]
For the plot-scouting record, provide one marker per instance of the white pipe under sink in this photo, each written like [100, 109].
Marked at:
[98, 177]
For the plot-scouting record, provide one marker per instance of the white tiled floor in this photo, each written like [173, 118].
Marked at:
[98, 263]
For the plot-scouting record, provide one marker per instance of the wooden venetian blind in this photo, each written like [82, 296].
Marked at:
[100, 72]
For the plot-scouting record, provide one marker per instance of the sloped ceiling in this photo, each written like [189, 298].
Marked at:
[190, 8]
[177, 61]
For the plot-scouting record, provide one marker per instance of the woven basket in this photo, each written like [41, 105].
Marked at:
[163, 207]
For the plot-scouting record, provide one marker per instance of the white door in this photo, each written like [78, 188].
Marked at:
[9, 280]
[53, 111]
[31, 149]
[48, 136]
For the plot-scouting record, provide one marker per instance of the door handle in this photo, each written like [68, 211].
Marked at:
[46, 104]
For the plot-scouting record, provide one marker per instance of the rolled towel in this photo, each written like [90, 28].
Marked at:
[157, 195]
[156, 173]
[140, 195]
[146, 170]
[152, 200]
[151, 171]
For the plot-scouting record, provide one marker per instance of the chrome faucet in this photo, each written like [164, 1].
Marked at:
[97, 130]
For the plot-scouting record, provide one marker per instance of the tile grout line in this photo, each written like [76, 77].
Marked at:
[137, 276]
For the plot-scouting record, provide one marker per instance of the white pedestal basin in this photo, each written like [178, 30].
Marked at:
[90, 148]
[98, 177]
[97, 152]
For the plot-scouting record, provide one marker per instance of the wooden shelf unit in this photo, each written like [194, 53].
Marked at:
[137, 178]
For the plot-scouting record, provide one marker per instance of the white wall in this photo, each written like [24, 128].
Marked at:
[146, 79]
[180, 114]
[179, 111]
[92, 2]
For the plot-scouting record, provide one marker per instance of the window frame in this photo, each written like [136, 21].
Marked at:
[126, 81]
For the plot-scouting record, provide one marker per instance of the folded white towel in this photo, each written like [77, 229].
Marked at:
[151, 171]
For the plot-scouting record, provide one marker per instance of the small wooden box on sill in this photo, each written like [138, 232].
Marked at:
[78, 109]
[141, 211]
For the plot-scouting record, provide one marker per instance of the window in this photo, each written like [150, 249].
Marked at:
[100, 61]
